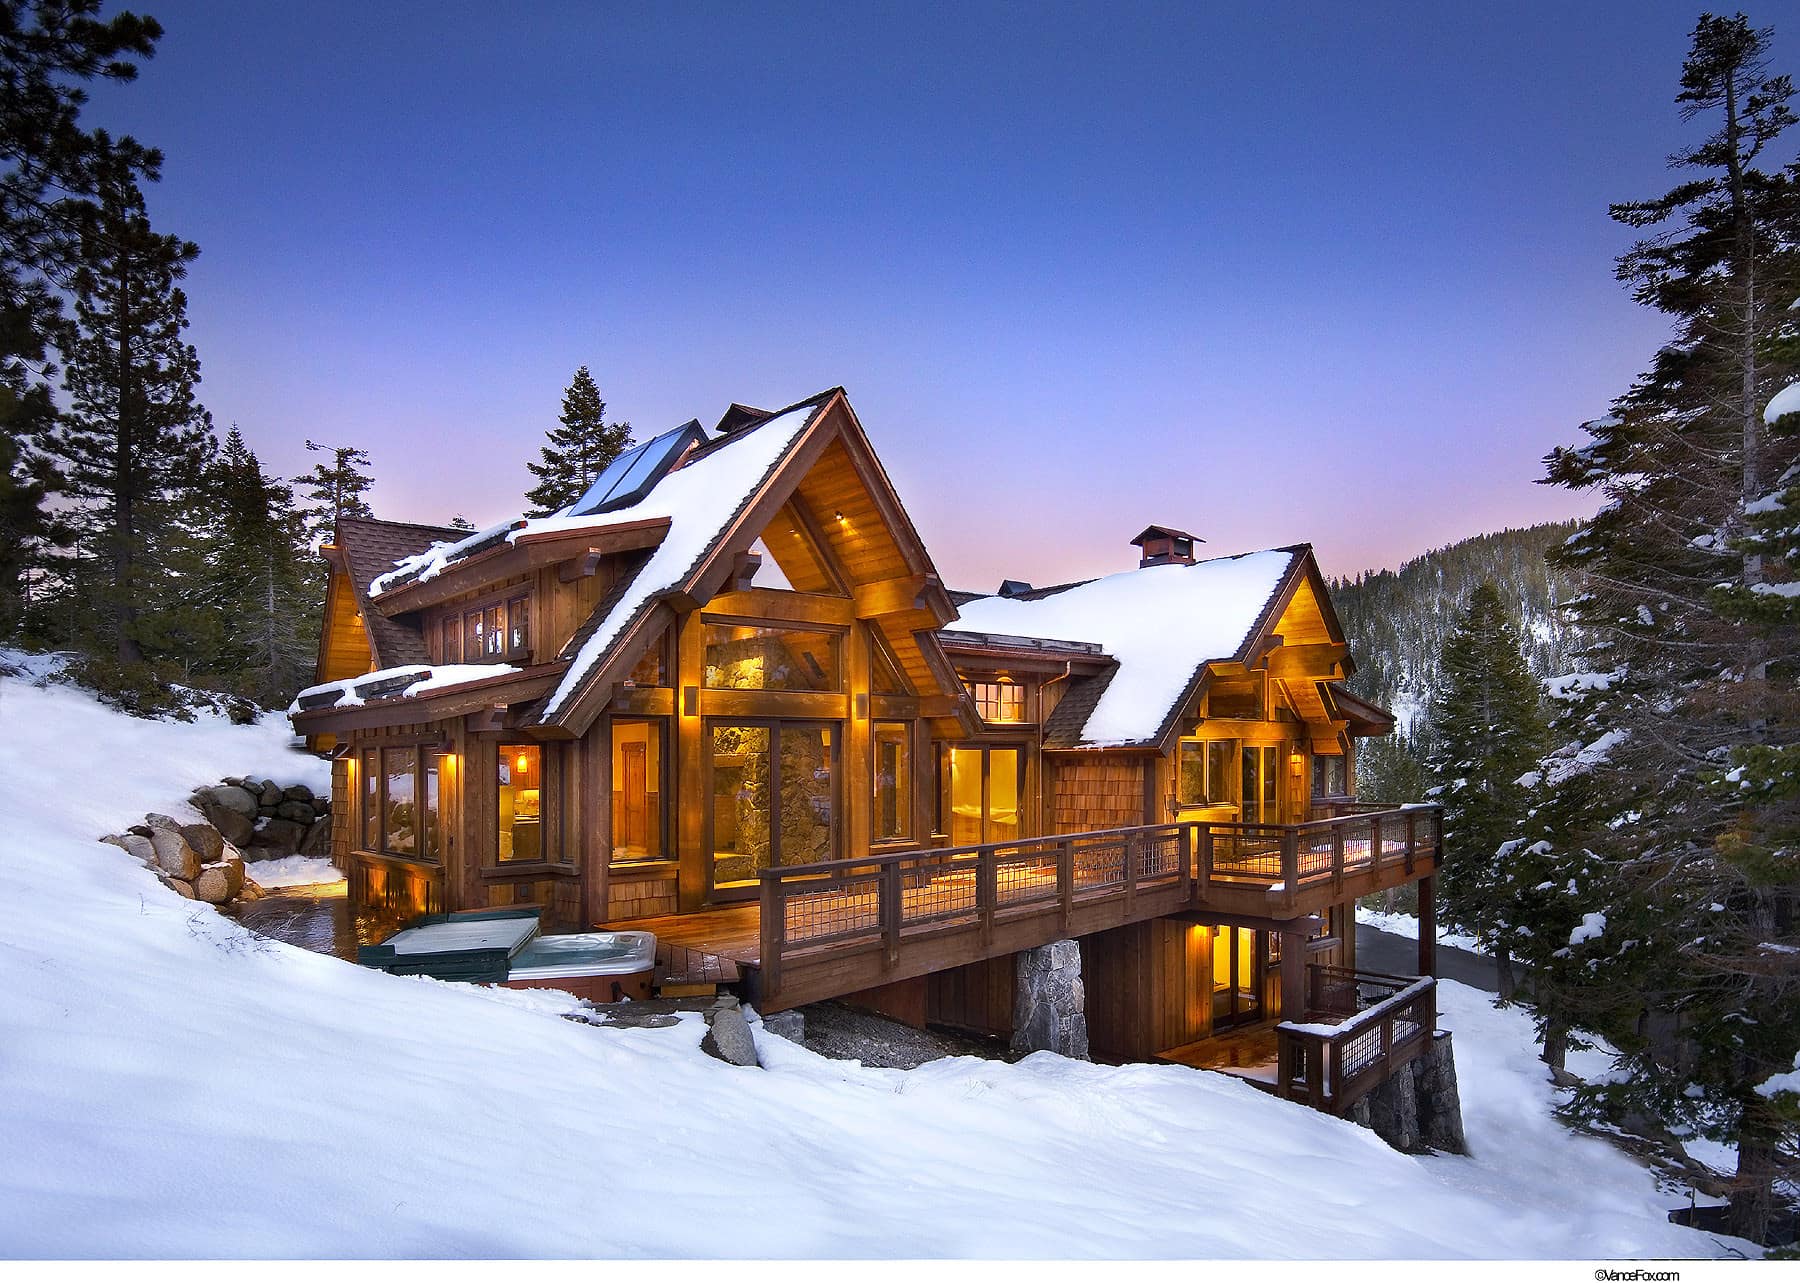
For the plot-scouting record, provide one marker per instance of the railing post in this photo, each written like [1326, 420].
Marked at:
[1290, 863]
[773, 924]
[1203, 868]
[1184, 857]
[1128, 862]
[1065, 880]
[1318, 1057]
[1376, 853]
[891, 905]
[1411, 840]
[987, 889]
[1337, 855]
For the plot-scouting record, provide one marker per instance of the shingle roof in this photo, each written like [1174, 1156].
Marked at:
[371, 548]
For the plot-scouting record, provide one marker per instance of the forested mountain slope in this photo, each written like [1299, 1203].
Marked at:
[1396, 620]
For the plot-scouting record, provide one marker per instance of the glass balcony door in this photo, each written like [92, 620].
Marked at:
[773, 800]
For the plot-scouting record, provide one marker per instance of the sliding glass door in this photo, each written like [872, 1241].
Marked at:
[983, 794]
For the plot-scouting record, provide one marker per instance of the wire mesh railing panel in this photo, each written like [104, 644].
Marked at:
[1246, 851]
[850, 906]
[1098, 864]
[1025, 875]
[935, 891]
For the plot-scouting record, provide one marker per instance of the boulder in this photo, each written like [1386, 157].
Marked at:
[297, 793]
[206, 840]
[283, 835]
[317, 840]
[156, 821]
[265, 812]
[140, 848]
[728, 1038]
[173, 855]
[142, 830]
[270, 794]
[255, 852]
[218, 883]
[232, 797]
[298, 812]
[234, 826]
[181, 887]
[787, 1024]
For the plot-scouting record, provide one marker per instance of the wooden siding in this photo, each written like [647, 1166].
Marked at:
[1149, 987]
[977, 997]
[1105, 791]
[344, 646]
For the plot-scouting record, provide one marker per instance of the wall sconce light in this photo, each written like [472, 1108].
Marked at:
[1297, 762]
[690, 701]
[861, 703]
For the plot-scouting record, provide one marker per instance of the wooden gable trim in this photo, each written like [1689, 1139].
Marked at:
[459, 701]
[340, 596]
[523, 555]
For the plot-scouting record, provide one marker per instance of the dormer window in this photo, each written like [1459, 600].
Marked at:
[999, 700]
[490, 632]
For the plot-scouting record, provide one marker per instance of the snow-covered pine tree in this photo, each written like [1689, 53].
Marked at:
[255, 578]
[334, 490]
[1697, 908]
[577, 450]
[135, 441]
[1488, 731]
[46, 166]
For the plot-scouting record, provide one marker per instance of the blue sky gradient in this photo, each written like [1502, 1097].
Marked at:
[1270, 273]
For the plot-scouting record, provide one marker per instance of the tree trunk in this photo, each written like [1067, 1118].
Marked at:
[1753, 1191]
[1556, 1042]
[1509, 984]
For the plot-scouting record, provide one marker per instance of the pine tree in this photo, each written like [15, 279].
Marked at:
[46, 165]
[135, 441]
[1488, 731]
[1689, 606]
[578, 451]
[255, 578]
[336, 490]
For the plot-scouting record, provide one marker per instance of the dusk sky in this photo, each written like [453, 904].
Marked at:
[1340, 274]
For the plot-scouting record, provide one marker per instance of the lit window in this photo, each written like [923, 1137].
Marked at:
[1001, 700]
[893, 781]
[1205, 772]
[770, 658]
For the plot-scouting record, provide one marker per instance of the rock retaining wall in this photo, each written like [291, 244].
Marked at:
[245, 820]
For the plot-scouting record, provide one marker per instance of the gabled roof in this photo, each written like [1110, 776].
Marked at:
[1161, 624]
[370, 548]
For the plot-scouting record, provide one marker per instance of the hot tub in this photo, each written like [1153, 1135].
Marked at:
[601, 966]
[503, 946]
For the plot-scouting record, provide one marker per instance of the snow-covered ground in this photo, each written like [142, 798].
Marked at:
[293, 871]
[1406, 924]
[171, 1084]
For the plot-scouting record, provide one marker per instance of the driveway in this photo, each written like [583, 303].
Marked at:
[1378, 950]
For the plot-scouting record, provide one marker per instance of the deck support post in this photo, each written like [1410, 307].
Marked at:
[1293, 977]
[1428, 925]
[1050, 1001]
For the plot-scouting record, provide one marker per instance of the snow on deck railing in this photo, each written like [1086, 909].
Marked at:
[1363, 1019]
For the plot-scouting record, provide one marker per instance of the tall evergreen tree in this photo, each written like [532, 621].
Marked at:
[1694, 615]
[47, 162]
[578, 450]
[1488, 731]
[255, 577]
[135, 440]
[335, 489]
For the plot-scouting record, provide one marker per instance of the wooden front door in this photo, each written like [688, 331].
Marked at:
[634, 820]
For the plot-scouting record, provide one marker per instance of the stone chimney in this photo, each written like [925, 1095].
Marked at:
[1164, 546]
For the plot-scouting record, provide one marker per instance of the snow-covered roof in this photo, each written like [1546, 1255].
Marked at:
[1159, 623]
[390, 683]
[700, 500]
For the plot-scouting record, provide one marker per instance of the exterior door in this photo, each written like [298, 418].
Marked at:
[1261, 784]
[635, 820]
[983, 794]
[1237, 976]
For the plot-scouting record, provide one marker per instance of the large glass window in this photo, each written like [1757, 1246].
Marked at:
[774, 799]
[1329, 778]
[637, 790]
[1205, 770]
[1237, 976]
[893, 781]
[1236, 697]
[400, 802]
[767, 658]
[528, 812]
[982, 790]
[488, 633]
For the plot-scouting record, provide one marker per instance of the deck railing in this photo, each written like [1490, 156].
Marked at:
[881, 900]
[1332, 1066]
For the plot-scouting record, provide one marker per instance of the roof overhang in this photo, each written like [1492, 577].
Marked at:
[503, 690]
[522, 553]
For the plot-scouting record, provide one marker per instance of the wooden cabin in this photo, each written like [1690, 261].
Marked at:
[726, 697]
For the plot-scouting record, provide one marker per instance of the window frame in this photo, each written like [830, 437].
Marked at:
[429, 840]
[659, 734]
[837, 633]
[556, 844]
[1002, 685]
[1230, 793]
[906, 790]
[465, 620]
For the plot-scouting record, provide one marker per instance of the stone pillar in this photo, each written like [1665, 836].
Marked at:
[1049, 1001]
[1418, 1110]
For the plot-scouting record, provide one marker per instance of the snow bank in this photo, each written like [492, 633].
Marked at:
[1405, 924]
[293, 871]
[1161, 623]
[171, 1085]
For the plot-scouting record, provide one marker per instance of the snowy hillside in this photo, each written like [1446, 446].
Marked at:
[172, 1085]
[1396, 621]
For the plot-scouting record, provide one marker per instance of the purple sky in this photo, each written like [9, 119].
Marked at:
[1292, 273]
